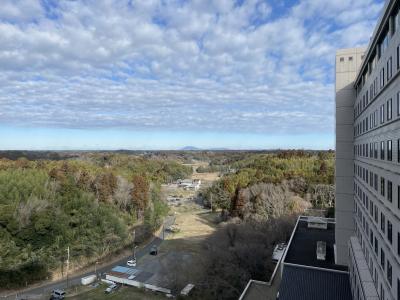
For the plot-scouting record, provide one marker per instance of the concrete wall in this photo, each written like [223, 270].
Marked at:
[362, 284]
[348, 62]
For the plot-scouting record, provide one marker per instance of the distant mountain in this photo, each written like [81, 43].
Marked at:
[190, 148]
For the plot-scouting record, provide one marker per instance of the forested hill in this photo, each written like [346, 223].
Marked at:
[264, 184]
[88, 204]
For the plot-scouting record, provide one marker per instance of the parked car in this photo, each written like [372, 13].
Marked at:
[88, 279]
[153, 250]
[131, 263]
[111, 288]
[57, 294]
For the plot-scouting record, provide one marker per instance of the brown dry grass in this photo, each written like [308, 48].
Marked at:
[194, 224]
[206, 176]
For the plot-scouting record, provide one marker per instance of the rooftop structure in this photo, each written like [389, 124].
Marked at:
[309, 269]
[302, 249]
[255, 290]
[314, 284]
[128, 273]
[135, 278]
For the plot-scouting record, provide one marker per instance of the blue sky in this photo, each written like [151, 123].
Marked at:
[156, 74]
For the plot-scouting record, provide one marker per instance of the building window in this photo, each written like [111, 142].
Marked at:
[383, 259]
[371, 237]
[389, 273]
[382, 150]
[389, 150]
[385, 42]
[398, 103]
[398, 243]
[376, 214]
[382, 119]
[376, 246]
[389, 109]
[383, 222]
[398, 60]
[376, 182]
[342, 59]
[389, 69]
[371, 208]
[376, 150]
[389, 191]
[398, 196]
[398, 150]
[390, 231]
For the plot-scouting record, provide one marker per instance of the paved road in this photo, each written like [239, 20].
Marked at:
[76, 280]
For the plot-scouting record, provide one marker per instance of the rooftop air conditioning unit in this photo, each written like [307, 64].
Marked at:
[317, 222]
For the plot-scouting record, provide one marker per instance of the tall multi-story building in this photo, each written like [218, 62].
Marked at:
[368, 161]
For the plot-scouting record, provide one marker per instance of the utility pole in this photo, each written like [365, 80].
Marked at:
[134, 238]
[95, 268]
[67, 264]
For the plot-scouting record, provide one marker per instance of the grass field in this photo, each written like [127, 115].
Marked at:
[123, 293]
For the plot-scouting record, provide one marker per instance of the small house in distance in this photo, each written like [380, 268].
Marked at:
[189, 184]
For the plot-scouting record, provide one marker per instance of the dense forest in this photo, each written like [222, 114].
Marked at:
[88, 204]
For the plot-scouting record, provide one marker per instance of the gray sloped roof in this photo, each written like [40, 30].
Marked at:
[310, 284]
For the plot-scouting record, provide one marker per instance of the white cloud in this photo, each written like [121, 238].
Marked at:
[203, 65]
[20, 10]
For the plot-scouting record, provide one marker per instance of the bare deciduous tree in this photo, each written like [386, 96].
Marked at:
[122, 194]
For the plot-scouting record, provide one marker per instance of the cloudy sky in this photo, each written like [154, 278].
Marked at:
[145, 74]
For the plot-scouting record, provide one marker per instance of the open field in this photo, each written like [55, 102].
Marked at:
[206, 177]
[194, 224]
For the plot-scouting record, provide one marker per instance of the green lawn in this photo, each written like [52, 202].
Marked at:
[122, 293]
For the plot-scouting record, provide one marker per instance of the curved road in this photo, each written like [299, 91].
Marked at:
[34, 293]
